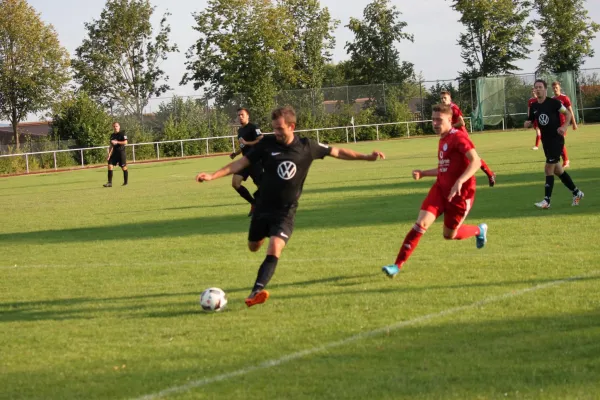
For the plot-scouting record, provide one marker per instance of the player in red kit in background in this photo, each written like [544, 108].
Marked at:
[458, 122]
[538, 133]
[564, 99]
[453, 192]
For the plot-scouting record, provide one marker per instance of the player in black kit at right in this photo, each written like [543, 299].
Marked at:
[546, 112]
[286, 159]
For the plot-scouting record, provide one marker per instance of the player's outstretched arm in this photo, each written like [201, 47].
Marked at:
[347, 154]
[418, 173]
[229, 169]
[474, 165]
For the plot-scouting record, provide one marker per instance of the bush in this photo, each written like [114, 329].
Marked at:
[79, 118]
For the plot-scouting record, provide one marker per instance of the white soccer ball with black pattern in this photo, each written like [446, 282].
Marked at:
[213, 299]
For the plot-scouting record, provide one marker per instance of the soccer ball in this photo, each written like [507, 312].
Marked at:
[213, 299]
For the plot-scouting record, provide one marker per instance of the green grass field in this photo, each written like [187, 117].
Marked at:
[99, 287]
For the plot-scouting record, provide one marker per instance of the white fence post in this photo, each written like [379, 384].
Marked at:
[81, 152]
[181, 149]
[407, 130]
[318, 136]
[133, 151]
[27, 162]
[55, 167]
[354, 132]
[206, 146]
[347, 135]
[157, 152]
[377, 128]
[232, 145]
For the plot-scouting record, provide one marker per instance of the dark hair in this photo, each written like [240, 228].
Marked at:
[443, 92]
[244, 110]
[543, 82]
[442, 109]
[557, 83]
[287, 112]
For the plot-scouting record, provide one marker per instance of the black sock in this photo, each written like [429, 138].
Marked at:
[125, 176]
[245, 194]
[568, 182]
[265, 272]
[549, 186]
[110, 174]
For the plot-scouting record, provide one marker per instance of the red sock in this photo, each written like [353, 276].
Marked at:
[486, 169]
[537, 140]
[410, 243]
[564, 154]
[467, 231]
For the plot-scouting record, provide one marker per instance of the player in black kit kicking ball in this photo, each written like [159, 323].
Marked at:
[286, 159]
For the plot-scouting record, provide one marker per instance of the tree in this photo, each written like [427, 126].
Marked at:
[567, 34]
[312, 40]
[335, 74]
[33, 65]
[243, 49]
[496, 37]
[373, 55]
[119, 62]
[77, 117]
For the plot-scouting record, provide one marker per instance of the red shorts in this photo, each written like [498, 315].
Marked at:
[454, 211]
[535, 124]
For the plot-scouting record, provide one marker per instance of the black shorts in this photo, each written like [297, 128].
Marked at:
[118, 158]
[553, 149]
[267, 224]
[254, 171]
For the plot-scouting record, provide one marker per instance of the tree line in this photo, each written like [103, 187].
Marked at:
[249, 51]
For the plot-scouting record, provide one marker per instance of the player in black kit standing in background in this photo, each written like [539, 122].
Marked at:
[248, 136]
[286, 159]
[546, 112]
[117, 155]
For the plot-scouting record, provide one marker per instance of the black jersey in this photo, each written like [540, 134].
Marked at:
[249, 133]
[285, 170]
[120, 136]
[547, 115]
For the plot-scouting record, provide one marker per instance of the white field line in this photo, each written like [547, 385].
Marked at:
[364, 335]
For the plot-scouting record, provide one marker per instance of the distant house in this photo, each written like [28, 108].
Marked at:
[33, 129]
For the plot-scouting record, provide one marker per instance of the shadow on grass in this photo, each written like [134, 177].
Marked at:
[549, 356]
[139, 307]
[364, 208]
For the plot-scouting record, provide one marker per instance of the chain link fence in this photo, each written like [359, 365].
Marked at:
[374, 109]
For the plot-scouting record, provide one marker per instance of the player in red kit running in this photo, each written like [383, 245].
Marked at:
[453, 192]
[538, 133]
[458, 122]
[563, 98]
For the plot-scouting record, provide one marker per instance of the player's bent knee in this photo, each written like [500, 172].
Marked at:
[255, 246]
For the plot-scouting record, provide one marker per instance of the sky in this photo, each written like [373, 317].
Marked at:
[435, 52]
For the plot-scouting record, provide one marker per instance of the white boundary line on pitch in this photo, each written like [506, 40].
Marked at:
[357, 337]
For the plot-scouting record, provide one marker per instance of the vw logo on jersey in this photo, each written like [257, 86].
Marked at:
[543, 119]
[445, 146]
[286, 170]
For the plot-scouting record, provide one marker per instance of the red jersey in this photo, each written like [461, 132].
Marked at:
[456, 113]
[563, 98]
[453, 162]
[531, 101]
